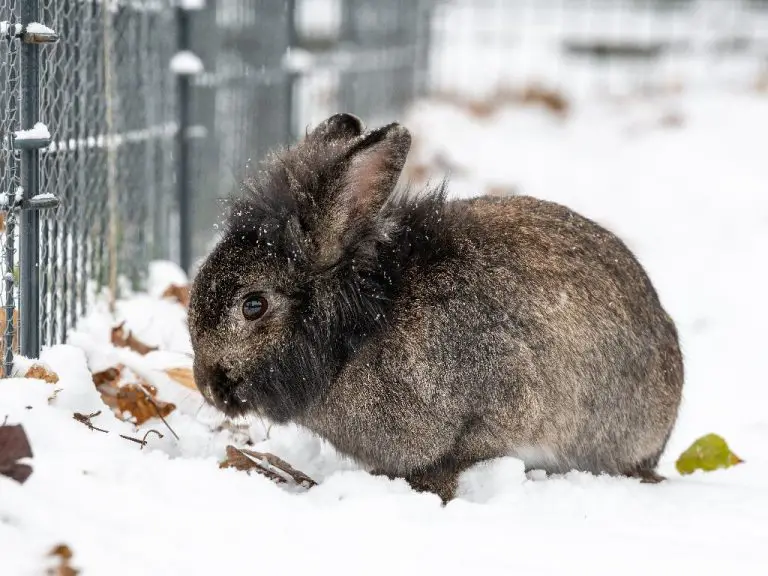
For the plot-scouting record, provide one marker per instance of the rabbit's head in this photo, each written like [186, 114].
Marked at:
[295, 283]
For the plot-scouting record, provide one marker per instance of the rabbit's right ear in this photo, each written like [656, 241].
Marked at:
[341, 126]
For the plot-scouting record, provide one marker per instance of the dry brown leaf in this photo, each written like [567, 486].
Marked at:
[183, 376]
[488, 106]
[14, 445]
[42, 373]
[178, 293]
[136, 398]
[123, 338]
[550, 99]
[266, 464]
[109, 376]
[2, 222]
[133, 399]
[672, 120]
[64, 554]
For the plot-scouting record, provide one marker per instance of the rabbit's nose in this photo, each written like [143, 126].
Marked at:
[209, 379]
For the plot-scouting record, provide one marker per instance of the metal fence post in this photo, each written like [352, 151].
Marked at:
[29, 257]
[290, 76]
[183, 174]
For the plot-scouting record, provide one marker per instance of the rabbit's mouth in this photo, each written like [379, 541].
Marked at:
[221, 391]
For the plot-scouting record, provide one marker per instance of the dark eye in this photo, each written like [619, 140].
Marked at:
[254, 306]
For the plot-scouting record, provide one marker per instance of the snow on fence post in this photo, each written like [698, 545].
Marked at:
[33, 136]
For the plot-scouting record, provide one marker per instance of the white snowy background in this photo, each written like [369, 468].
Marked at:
[690, 197]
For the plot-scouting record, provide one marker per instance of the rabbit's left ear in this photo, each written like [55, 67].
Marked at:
[368, 172]
[372, 169]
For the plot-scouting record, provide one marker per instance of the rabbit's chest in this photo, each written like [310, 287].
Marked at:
[389, 419]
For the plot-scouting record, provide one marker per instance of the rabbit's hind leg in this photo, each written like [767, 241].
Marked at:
[441, 477]
[645, 471]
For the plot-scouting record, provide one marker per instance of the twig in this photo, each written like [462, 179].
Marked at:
[143, 441]
[157, 409]
[263, 463]
[82, 418]
[5, 420]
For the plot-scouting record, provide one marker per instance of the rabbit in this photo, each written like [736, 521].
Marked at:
[420, 336]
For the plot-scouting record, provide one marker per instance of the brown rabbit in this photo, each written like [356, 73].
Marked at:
[420, 336]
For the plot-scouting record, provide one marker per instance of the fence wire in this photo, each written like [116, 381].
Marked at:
[9, 180]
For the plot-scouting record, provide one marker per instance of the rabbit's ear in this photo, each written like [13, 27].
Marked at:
[341, 126]
[370, 169]
[373, 167]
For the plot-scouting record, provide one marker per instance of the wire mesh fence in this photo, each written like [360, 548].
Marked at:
[589, 48]
[9, 178]
[157, 108]
[151, 112]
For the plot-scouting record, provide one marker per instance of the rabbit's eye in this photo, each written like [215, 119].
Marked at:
[254, 306]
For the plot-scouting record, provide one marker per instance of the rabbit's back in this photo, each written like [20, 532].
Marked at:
[536, 334]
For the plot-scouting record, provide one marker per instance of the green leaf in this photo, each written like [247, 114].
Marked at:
[708, 453]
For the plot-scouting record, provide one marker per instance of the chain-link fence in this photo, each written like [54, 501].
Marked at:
[275, 67]
[149, 112]
[153, 110]
[589, 48]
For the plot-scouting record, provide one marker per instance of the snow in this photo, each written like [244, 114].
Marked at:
[186, 62]
[677, 195]
[38, 132]
[192, 4]
[37, 28]
[689, 199]
[5, 28]
[162, 275]
[298, 60]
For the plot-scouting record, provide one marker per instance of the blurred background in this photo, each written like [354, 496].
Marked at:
[646, 115]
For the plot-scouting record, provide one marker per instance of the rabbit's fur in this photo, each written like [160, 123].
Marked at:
[420, 336]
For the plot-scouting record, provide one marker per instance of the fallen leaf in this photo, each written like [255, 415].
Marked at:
[708, 453]
[14, 445]
[40, 372]
[109, 376]
[183, 376]
[123, 338]
[178, 293]
[672, 120]
[266, 464]
[64, 554]
[137, 399]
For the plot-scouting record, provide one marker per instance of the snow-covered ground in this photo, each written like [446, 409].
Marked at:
[681, 176]
[690, 200]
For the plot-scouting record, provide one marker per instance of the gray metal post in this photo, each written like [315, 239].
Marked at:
[30, 180]
[183, 175]
[291, 76]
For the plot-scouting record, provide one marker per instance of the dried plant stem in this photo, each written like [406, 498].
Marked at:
[265, 464]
